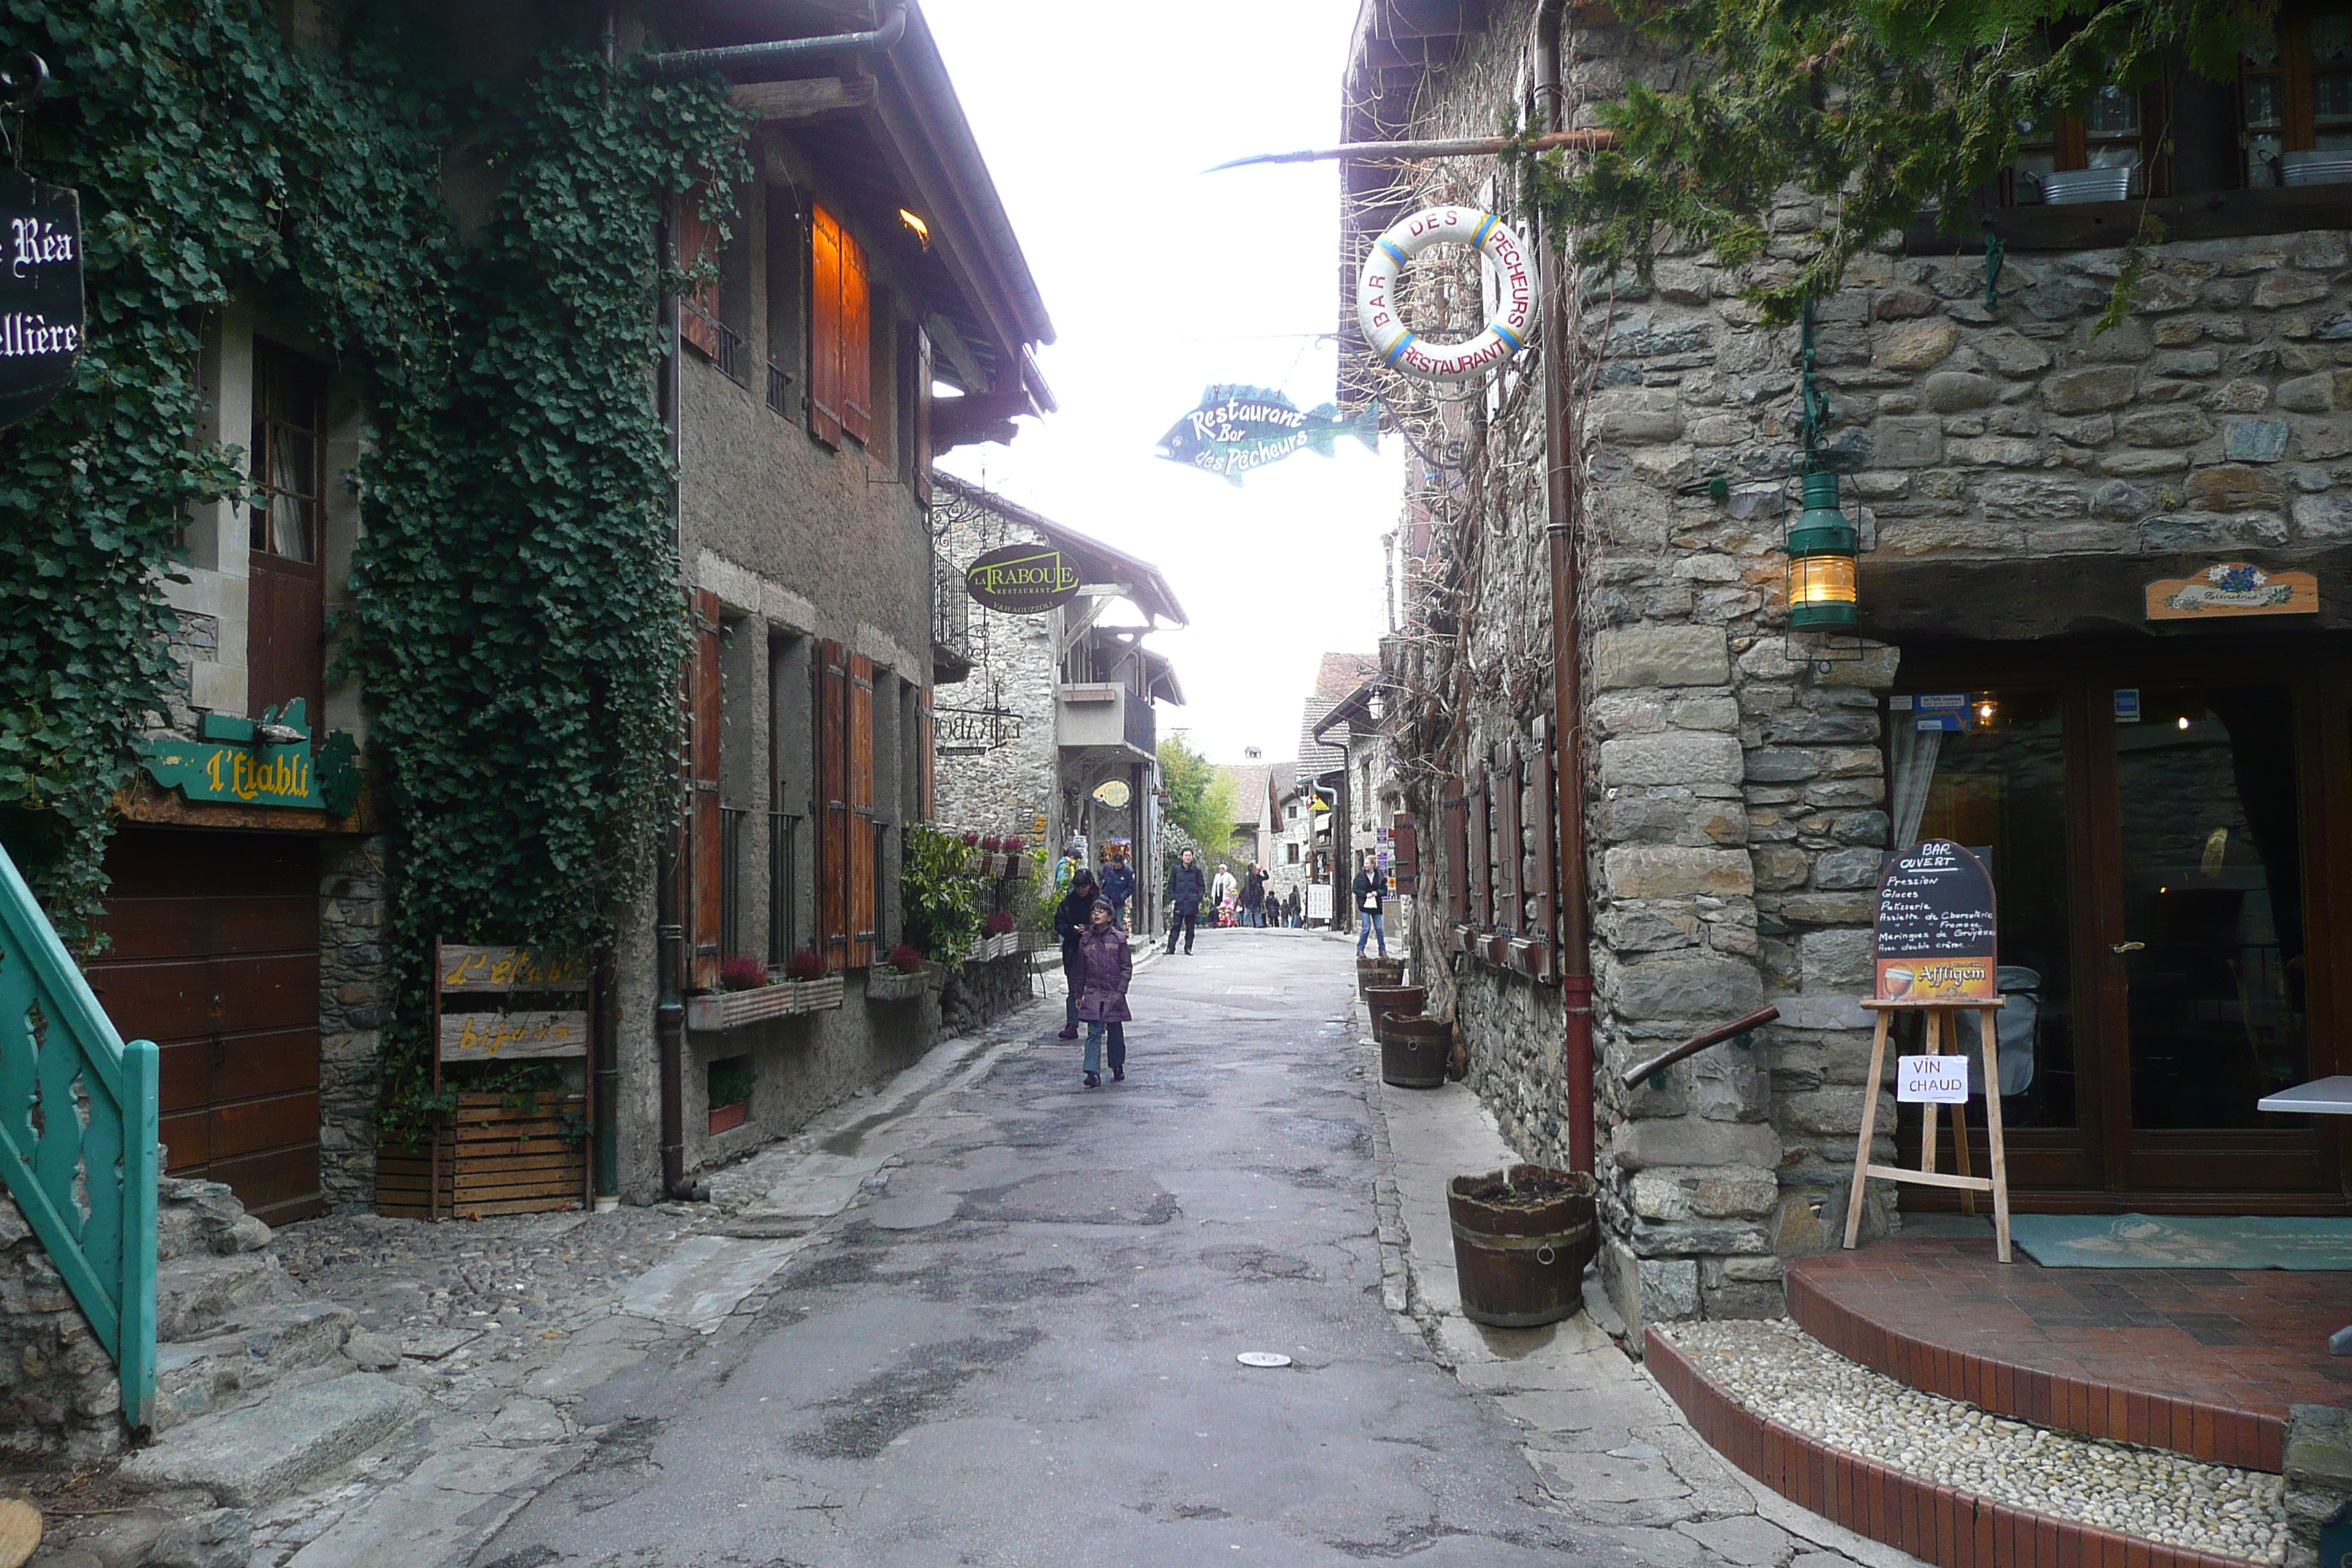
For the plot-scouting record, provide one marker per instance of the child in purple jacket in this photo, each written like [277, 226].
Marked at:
[1105, 965]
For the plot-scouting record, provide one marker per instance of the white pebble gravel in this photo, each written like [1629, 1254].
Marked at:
[1777, 1370]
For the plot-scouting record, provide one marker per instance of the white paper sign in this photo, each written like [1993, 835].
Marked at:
[1935, 1080]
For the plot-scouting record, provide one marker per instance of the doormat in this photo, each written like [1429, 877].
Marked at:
[2145, 1241]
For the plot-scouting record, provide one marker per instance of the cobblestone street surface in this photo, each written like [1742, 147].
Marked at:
[989, 1316]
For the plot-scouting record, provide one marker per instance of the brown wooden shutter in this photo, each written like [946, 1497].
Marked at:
[926, 770]
[832, 804]
[824, 326]
[1404, 843]
[862, 847]
[856, 342]
[1482, 852]
[919, 419]
[705, 873]
[698, 242]
[1546, 888]
[1509, 911]
[1455, 816]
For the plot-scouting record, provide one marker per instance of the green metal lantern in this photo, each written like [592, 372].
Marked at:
[1822, 548]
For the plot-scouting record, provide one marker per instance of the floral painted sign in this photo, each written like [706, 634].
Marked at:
[2232, 588]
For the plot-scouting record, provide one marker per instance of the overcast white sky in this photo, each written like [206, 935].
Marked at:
[1096, 120]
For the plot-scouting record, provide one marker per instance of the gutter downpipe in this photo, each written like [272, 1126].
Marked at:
[669, 927]
[753, 62]
[1562, 500]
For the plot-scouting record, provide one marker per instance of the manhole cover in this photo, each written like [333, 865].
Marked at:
[1263, 1358]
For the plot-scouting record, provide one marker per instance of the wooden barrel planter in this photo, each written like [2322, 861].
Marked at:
[1371, 972]
[1406, 1001]
[1413, 1051]
[1521, 1239]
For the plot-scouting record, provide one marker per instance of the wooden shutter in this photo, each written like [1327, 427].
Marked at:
[1454, 815]
[856, 342]
[918, 418]
[824, 326]
[832, 804]
[1404, 843]
[1546, 888]
[1482, 852]
[1509, 911]
[705, 875]
[926, 770]
[698, 242]
[862, 848]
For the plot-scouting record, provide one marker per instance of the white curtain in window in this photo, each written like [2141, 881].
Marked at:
[1915, 752]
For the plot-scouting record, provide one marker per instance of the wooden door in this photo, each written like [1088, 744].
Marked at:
[215, 957]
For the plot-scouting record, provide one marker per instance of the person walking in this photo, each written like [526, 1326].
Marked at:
[1117, 887]
[1367, 888]
[1254, 897]
[1070, 919]
[1105, 965]
[1073, 861]
[1186, 889]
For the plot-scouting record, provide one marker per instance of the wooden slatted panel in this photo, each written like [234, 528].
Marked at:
[1547, 843]
[920, 417]
[1509, 911]
[706, 878]
[862, 912]
[698, 242]
[832, 804]
[825, 390]
[1482, 853]
[1454, 823]
[856, 342]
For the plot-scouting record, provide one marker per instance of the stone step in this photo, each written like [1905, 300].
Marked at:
[197, 1293]
[253, 1457]
[267, 1343]
[198, 1218]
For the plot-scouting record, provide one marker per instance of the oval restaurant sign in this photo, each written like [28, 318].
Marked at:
[40, 293]
[1022, 579]
[1935, 927]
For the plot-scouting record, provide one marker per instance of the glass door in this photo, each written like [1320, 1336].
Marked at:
[2207, 963]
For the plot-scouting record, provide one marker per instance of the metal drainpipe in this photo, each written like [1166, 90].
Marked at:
[669, 929]
[1560, 485]
[749, 62]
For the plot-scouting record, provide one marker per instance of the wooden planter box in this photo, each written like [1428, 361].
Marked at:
[491, 1160]
[887, 984]
[727, 1117]
[733, 1009]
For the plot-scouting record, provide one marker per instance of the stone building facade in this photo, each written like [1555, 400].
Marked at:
[2024, 486]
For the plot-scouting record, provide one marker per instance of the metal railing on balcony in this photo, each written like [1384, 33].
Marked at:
[731, 880]
[780, 394]
[1141, 727]
[951, 611]
[78, 1130]
[783, 886]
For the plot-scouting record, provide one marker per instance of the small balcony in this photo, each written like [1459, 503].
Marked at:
[1105, 716]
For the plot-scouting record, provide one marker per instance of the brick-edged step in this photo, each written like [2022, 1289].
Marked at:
[1944, 1525]
[253, 1457]
[267, 1344]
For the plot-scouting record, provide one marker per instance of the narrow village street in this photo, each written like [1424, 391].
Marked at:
[1016, 1343]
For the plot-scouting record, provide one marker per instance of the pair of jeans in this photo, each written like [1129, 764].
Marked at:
[1095, 1045]
[1368, 926]
[1182, 920]
[1118, 913]
[1073, 975]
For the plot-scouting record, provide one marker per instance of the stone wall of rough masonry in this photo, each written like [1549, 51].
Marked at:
[1001, 791]
[60, 1399]
[352, 984]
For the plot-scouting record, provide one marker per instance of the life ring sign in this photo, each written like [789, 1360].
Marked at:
[1376, 303]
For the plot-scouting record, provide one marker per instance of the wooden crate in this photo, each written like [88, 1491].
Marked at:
[493, 1160]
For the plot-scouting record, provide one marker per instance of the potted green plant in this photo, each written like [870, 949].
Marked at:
[814, 990]
[747, 993]
[903, 976]
[730, 1093]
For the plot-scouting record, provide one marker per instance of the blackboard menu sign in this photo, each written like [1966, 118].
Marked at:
[40, 293]
[1935, 927]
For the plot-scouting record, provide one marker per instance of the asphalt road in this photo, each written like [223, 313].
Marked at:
[1020, 1351]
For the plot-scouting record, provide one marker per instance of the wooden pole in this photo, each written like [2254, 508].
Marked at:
[1942, 1030]
[1869, 1130]
[1996, 1147]
[1451, 147]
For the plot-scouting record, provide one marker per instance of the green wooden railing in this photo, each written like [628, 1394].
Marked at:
[78, 1148]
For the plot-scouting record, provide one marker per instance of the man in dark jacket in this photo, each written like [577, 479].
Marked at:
[1254, 897]
[1117, 887]
[1186, 889]
[1070, 918]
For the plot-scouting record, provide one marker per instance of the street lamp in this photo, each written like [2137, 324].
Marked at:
[1822, 548]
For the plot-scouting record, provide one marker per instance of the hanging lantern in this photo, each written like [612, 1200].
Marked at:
[1822, 551]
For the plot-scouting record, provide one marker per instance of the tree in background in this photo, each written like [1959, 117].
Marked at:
[1201, 799]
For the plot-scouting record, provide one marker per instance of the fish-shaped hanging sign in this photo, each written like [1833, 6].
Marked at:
[1238, 428]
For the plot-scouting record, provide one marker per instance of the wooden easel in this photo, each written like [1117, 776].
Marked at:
[1942, 1025]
